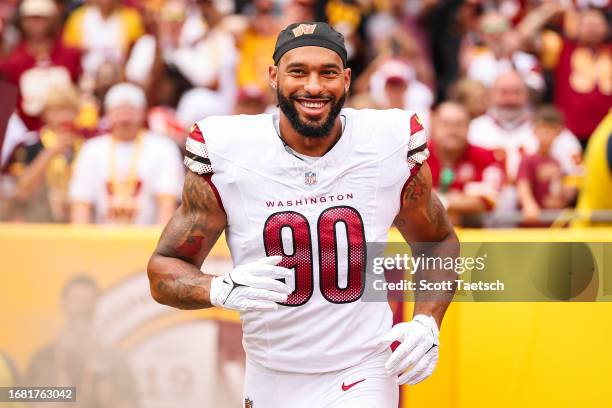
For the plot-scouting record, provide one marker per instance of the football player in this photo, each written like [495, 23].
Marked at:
[299, 193]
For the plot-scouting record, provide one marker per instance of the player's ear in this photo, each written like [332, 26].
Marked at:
[347, 79]
[273, 75]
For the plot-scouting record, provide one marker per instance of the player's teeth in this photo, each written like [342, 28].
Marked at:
[313, 104]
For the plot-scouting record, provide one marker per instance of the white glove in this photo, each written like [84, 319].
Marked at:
[253, 286]
[418, 353]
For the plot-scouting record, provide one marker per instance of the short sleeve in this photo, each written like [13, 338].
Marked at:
[196, 155]
[82, 187]
[417, 144]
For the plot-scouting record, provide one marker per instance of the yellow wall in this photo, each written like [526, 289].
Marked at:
[492, 354]
[522, 354]
[37, 260]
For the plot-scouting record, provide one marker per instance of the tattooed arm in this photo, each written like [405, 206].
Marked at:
[174, 268]
[423, 223]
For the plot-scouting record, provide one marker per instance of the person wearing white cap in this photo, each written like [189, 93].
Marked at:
[394, 85]
[129, 176]
[38, 8]
[40, 60]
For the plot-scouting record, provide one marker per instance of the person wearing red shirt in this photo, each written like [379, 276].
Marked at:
[39, 61]
[468, 178]
[540, 177]
[581, 62]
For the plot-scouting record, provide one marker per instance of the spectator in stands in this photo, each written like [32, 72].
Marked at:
[256, 46]
[348, 18]
[504, 126]
[197, 104]
[468, 178]
[211, 62]
[188, 64]
[582, 65]
[42, 177]
[153, 60]
[397, 31]
[449, 24]
[472, 94]
[40, 60]
[507, 128]
[105, 30]
[91, 121]
[540, 184]
[595, 201]
[500, 53]
[8, 33]
[394, 85]
[130, 175]
[251, 100]
[16, 135]
[295, 11]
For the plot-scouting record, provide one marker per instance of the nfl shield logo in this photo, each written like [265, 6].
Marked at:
[248, 403]
[310, 178]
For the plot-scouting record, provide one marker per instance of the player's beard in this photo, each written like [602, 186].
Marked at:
[310, 128]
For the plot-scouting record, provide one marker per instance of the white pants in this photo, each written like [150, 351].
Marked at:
[265, 388]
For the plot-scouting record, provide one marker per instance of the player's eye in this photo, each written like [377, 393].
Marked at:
[330, 73]
[297, 71]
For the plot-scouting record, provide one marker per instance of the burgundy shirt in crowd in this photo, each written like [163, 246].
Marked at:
[477, 172]
[583, 88]
[16, 64]
[545, 177]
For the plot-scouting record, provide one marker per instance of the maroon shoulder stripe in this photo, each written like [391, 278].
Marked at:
[196, 134]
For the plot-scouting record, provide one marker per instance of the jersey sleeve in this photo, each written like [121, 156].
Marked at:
[417, 144]
[196, 155]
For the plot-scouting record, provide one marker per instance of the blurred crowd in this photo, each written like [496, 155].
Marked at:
[98, 97]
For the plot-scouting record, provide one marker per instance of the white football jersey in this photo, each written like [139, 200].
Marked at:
[318, 214]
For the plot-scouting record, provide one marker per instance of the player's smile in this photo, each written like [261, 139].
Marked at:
[311, 107]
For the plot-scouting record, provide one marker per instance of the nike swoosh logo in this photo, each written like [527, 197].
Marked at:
[348, 387]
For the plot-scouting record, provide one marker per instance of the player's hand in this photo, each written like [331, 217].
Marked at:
[253, 286]
[417, 355]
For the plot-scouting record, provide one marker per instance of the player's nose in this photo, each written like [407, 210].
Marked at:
[313, 85]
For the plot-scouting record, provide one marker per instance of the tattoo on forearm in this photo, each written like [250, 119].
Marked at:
[437, 215]
[188, 292]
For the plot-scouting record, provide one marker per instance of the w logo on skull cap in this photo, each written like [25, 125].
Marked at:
[304, 29]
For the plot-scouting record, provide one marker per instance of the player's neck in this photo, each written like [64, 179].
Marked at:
[309, 146]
